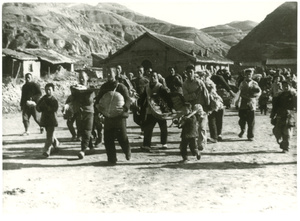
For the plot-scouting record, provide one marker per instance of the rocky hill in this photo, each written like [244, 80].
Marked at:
[231, 33]
[77, 30]
[275, 37]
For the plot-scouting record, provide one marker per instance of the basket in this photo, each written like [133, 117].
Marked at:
[111, 104]
[159, 109]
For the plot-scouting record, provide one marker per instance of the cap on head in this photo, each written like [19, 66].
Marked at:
[248, 70]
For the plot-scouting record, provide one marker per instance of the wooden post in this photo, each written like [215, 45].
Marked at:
[15, 80]
[12, 68]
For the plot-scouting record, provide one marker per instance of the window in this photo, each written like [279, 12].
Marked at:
[30, 68]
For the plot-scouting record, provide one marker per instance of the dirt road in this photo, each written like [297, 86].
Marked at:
[233, 176]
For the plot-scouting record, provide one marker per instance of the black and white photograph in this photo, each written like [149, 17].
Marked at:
[182, 108]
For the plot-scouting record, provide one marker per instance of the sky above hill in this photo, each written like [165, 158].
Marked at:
[194, 13]
[201, 13]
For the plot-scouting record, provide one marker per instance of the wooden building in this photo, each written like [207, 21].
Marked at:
[159, 52]
[16, 64]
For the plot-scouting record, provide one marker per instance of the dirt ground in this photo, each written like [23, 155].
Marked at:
[233, 176]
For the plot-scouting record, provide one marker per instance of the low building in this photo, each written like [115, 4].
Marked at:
[267, 64]
[16, 64]
[282, 63]
[159, 52]
[51, 60]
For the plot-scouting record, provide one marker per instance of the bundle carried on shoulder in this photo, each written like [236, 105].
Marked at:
[216, 102]
[226, 97]
[111, 104]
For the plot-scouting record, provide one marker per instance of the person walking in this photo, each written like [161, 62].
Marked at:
[174, 81]
[195, 92]
[31, 93]
[249, 91]
[215, 118]
[139, 84]
[154, 88]
[283, 115]
[71, 113]
[85, 95]
[114, 126]
[189, 133]
[48, 106]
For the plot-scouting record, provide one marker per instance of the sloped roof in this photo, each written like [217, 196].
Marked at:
[18, 55]
[188, 46]
[281, 62]
[182, 46]
[99, 55]
[50, 56]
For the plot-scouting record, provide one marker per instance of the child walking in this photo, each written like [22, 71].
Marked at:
[48, 105]
[283, 115]
[189, 133]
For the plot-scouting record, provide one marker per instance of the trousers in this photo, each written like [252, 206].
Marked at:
[111, 132]
[215, 123]
[27, 112]
[50, 139]
[192, 143]
[247, 116]
[86, 127]
[148, 127]
[70, 124]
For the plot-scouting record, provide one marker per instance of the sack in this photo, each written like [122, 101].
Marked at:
[216, 102]
[226, 97]
[111, 104]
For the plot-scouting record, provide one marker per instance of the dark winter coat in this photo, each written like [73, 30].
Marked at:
[48, 106]
[30, 91]
[189, 128]
[284, 106]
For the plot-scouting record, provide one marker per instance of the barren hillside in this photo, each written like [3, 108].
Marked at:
[275, 37]
[77, 30]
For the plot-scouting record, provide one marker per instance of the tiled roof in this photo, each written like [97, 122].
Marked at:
[18, 55]
[50, 56]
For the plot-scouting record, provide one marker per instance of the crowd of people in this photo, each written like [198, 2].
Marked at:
[195, 99]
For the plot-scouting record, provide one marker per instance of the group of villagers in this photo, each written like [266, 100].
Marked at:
[192, 101]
